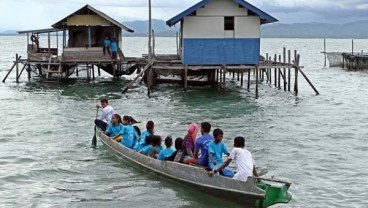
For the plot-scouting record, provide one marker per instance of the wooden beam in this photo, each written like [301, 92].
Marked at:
[136, 78]
[11, 69]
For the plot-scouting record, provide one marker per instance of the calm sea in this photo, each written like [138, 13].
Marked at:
[319, 143]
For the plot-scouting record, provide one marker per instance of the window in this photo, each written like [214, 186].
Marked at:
[229, 23]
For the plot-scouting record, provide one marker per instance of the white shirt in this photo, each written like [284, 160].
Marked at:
[107, 114]
[244, 163]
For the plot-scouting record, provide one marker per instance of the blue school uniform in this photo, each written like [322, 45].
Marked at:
[114, 46]
[114, 130]
[142, 141]
[106, 42]
[146, 149]
[202, 145]
[217, 150]
[165, 153]
[128, 136]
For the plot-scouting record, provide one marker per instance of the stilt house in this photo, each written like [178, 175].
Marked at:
[221, 32]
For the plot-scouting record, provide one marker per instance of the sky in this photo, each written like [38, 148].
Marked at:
[36, 14]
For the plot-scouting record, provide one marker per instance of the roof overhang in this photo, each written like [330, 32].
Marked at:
[60, 24]
[48, 30]
[265, 18]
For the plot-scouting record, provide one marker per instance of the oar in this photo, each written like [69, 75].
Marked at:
[94, 139]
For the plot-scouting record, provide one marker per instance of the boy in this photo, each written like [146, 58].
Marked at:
[201, 145]
[114, 49]
[164, 154]
[106, 45]
[216, 148]
[243, 159]
[106, 115]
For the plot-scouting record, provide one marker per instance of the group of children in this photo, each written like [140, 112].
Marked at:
[206, 150]
[110, 44]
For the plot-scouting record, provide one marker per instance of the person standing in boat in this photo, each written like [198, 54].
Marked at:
[166, 153]
[201, 146]
[150, 130]
[215, 150]
[106, 115]
[114, 49]
[128, 133]
[245, 165]
[106, 46]
[189, 141]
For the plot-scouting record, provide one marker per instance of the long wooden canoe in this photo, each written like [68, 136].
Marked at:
[249, 193]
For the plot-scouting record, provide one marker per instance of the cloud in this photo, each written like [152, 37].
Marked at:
[31, 14]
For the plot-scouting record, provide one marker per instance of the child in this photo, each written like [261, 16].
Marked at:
[178, 145]
[216, 148]
[164, 154]
[243, 159]
[106, 45]
[150, 129]
[114, 49]
[128, 133]
[189, 141]
[114, 128]
[156, 146]
[148, 144]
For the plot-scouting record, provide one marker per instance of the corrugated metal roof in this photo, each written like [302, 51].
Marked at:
[40, 31]
[103, 15]
[266, 18]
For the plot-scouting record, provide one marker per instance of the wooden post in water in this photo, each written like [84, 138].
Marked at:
[270, 70]
[257, 77]
[248, 79]
[275, 60]
[99, 71]
[29, 71]
[284, 61]
[352, 46]
[185, 77]
[17, 68]
[88, 76]
[267, 68]
[242, 78]
[296, 62]
[224, 76]
[289, 70]
[324, 51]
[93, 71]
[279, 75]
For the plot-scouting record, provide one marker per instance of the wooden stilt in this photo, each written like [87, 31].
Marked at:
[296, 62]
[11, 69]
[257, 77]
[238, 72]
[77, 68]
[93, 72]
[279, 75]
[21, 71]
[224, 76]
[99, 71]
[248, 87]
[185, 77]
[284, 61]
[270, 71]
[17, 68]
[275, 78]
[242, 78]
[29, 72]
[289, 70]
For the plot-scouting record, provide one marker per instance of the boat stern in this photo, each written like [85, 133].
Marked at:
[275, 194]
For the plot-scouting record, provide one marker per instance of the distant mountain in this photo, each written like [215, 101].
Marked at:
[8, 32]
[140, 28]
[357, 29]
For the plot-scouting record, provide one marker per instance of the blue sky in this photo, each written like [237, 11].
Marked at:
[33, 14]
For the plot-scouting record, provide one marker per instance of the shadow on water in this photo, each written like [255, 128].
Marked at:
[79, 89]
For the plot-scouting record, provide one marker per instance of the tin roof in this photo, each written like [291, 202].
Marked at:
[101, 14]
[265, 18]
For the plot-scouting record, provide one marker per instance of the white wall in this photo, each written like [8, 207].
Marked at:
[203, 27]
[222, 8]
[247, 27]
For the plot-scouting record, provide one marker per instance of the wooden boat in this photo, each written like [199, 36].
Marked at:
[249, 193]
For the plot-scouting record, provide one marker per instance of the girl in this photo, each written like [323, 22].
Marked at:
[189, 141]
[114, 128]
[148, 144]
[150, 129]
[128, 133]
[156, 146]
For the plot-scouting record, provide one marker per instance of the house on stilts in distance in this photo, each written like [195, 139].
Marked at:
[218, 37]
[82, 37]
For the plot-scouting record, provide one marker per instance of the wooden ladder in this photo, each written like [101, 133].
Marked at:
[49, 71]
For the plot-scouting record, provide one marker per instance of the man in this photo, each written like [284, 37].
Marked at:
[243, 159]
[106, 115]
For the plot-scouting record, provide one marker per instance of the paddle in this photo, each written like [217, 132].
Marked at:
[94, 139]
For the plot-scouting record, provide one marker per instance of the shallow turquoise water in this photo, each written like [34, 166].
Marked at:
[316, 142]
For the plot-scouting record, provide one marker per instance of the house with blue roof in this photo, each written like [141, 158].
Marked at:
[217, 32]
